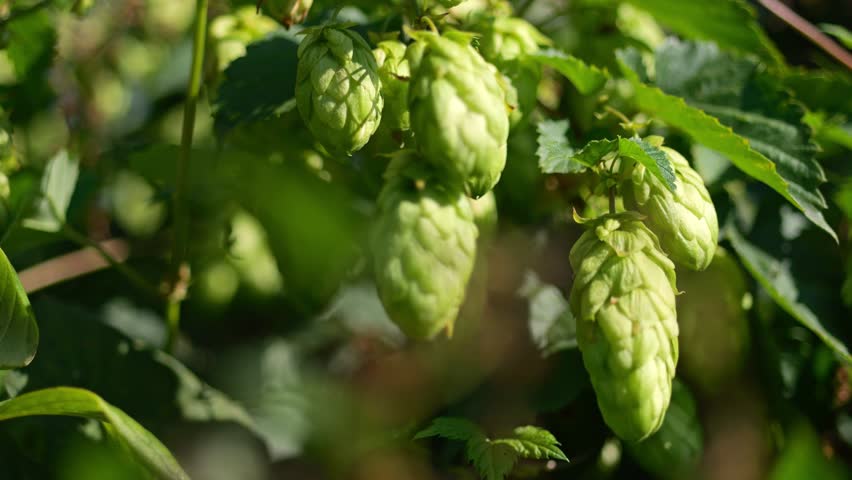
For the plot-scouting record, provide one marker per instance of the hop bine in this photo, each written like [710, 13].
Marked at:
[623, 298]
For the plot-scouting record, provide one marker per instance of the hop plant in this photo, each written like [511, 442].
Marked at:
[394, 73]
[289, 12]
[684, 220]
[458, 110]
[623, 298]
[338, 90]
[506, 42]
[424, 248]
[714, 327]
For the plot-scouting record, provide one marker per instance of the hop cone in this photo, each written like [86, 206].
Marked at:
[675, 450]
[338, 90]
[394, 73]
[424, 247]
[684, 220]
[713, 325]
[289, 12]
[623, 298]
[506, 42]
[458, 111]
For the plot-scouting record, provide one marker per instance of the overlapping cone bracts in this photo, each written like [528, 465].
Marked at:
[395, 74]
[623, 298]
[424, 249]
[684, 220]
[458, 111]
[338, 90]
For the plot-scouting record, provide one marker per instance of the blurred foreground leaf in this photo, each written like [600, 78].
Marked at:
[75, 402]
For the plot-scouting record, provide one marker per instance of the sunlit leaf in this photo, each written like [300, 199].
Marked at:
[75, 402]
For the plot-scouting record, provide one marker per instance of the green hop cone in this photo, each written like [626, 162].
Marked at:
[713, 323]
[458, 110]
[394, 73]
[506, 42]
[684, 220]
[289, 12]
[338, 90]
[623, 298]
[674, 451]
[424, 248]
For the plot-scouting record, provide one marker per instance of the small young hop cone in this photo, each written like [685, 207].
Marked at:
[338, 90]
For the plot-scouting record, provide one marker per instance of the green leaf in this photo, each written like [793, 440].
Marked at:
[654, 159]
[732, 24]
[775, 276]
[534, 442]
[555, 154]
[31, 41]
[259, 85]
[452, 428]
[492, 461]
[838, 32]
[75, 402]
[18, 329]
[820, 90]
[755, 123]
[587, 78]
[57, 187]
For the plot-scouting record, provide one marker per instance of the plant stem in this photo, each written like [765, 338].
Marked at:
[132, 275]
[810, 31]
[179, 207]
[612, 199]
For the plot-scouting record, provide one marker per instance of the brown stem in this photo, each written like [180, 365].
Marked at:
[73, 265]
[810, 31]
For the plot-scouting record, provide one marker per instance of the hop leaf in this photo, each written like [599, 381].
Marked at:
[623, 298]
[495, 459]
[338, 90]
[424, 248]
[458, 111]
[684, 219]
